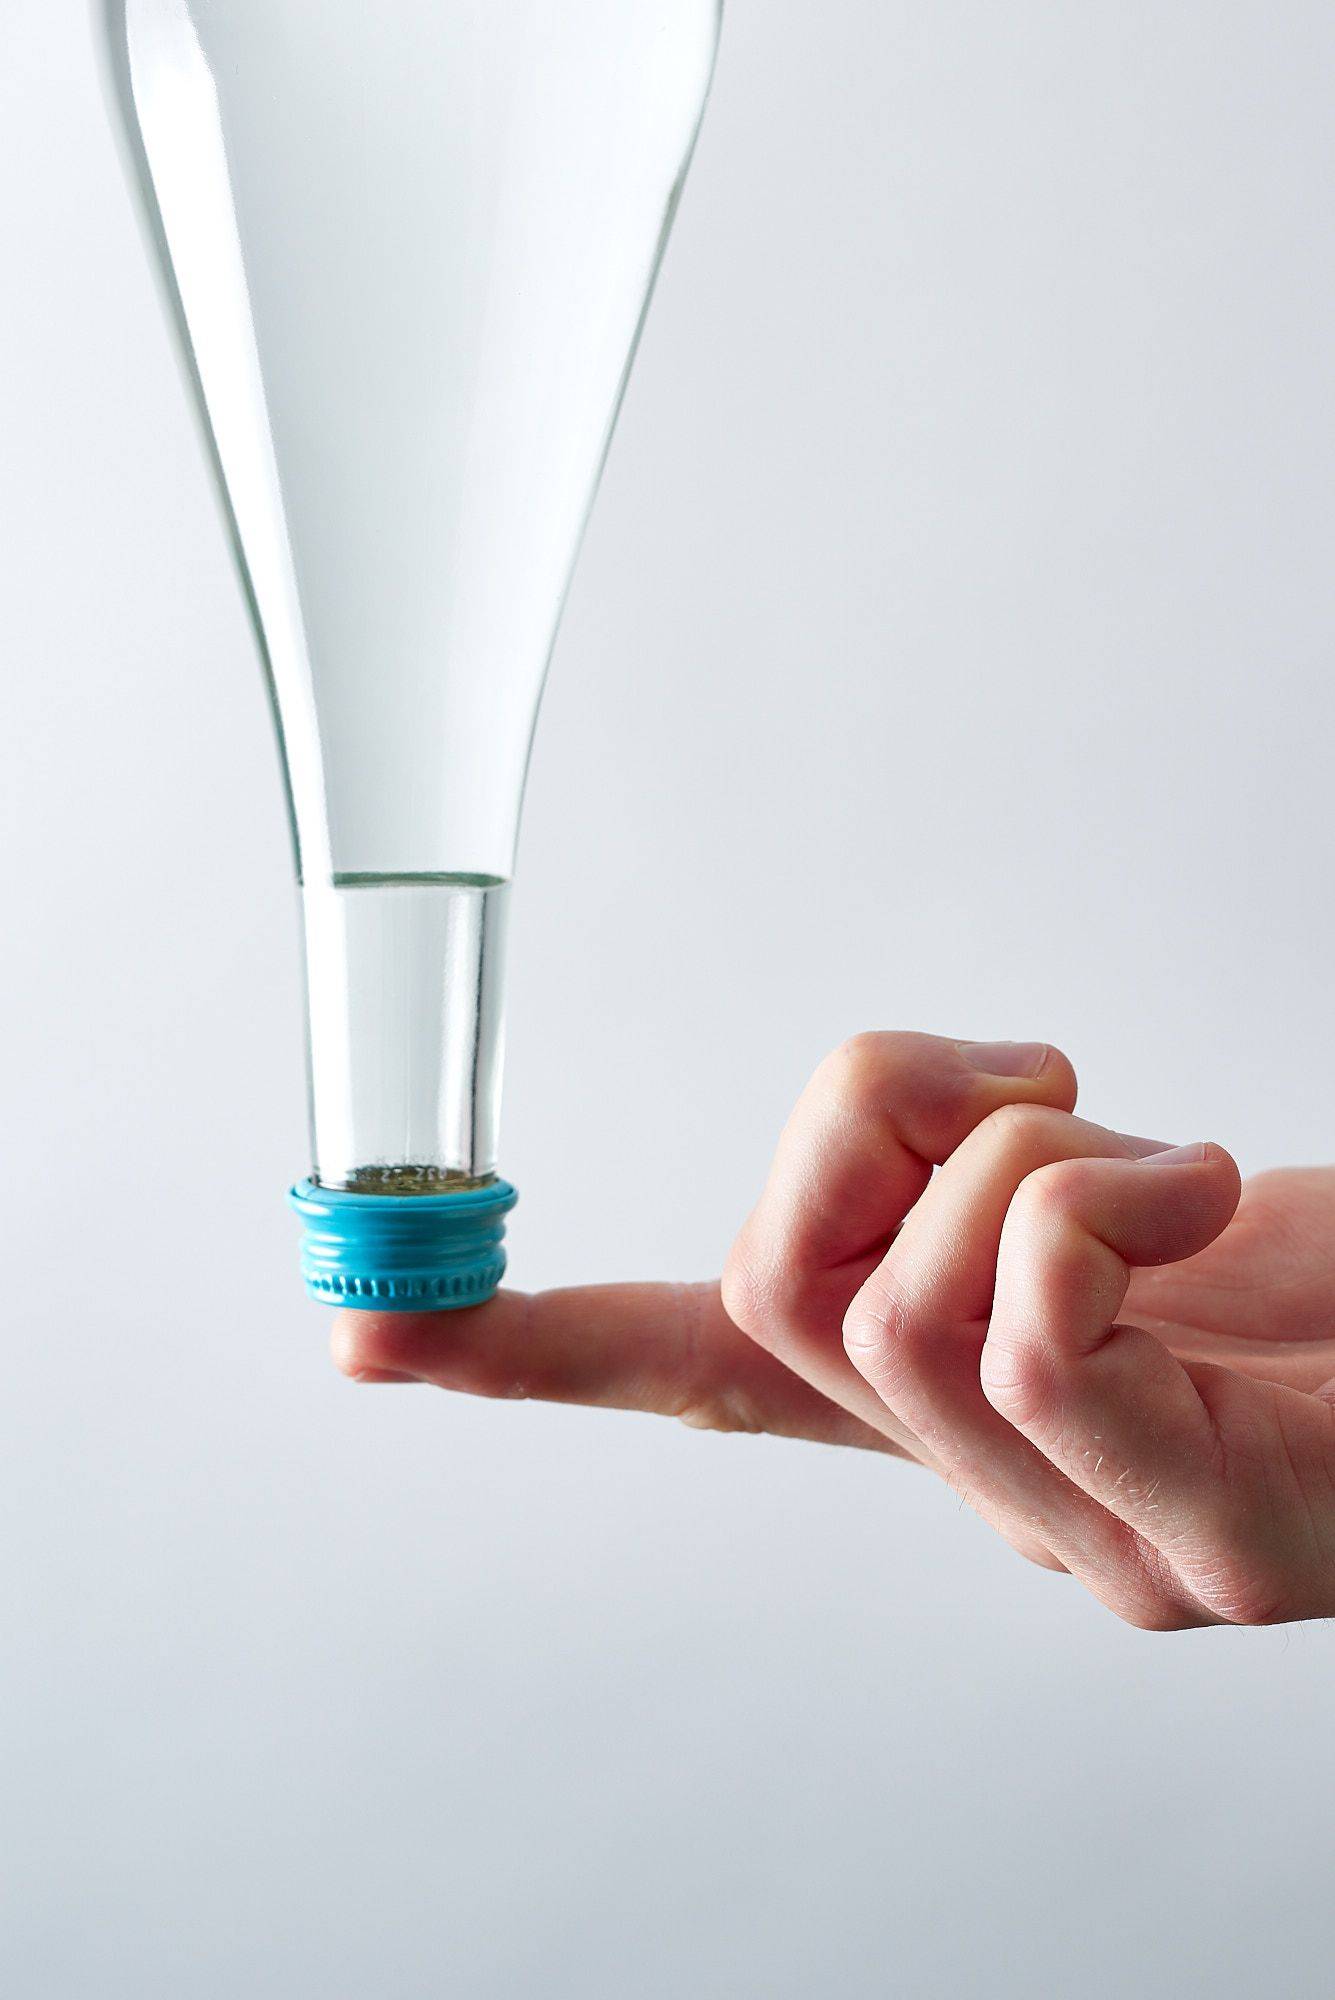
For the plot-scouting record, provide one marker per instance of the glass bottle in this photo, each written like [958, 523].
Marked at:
[408, 247]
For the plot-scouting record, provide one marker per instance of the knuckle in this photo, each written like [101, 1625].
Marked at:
[768, 1297]
[880, 1325]
[738, 1286]
[858, 1069]
[766, 1293]
[748, 1289]
[864, 1336]
[1017, 1378]
[883, 1068]
[1018, 1131]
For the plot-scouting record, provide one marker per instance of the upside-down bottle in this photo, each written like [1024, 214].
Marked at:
[408, 247]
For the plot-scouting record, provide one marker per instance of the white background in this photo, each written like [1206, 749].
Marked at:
[951, 649]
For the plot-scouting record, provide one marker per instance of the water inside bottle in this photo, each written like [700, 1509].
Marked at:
[406, 1030]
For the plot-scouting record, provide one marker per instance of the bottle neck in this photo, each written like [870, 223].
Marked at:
[405, 990]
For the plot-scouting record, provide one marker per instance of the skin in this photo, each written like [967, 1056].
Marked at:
[1121, 1357]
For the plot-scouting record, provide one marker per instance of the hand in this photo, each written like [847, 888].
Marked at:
[1127, 1372]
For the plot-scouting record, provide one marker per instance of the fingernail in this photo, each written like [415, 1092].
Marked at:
[1142, 1147]
[367, 1375]
[1007, 1058]
[1177, 1156]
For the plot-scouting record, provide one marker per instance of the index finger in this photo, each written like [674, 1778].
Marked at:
[670, 1350]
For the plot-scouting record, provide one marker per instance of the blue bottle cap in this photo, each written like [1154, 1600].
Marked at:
[403, 1253]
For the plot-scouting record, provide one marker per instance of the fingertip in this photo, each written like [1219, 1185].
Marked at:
[1024, 1072]
[1201, 1159]
[369, 1347]
[1159, 1208]
[1058, 1080]
[1219, 1156]
[469, 1348]
[1018, 1059]
[348, 1347]
[1226, 1174]
[1200, 1152]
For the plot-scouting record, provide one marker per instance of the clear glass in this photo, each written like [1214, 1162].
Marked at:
[407, 971]
[409, 246]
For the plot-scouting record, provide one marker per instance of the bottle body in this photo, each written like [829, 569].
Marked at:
[408, 249]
